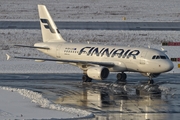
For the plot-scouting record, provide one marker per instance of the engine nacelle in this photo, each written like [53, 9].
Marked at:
[98, 73]
[151, 74]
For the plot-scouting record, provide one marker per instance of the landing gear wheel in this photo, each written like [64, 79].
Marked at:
[121, 77]
[124, 76]
[150, 81]
[89, 80]
[85, 78]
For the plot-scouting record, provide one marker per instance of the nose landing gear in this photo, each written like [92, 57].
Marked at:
[150, 81]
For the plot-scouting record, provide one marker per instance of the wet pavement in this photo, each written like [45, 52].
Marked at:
[108, 100]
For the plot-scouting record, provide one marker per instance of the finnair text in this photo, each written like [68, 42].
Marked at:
[120, 53]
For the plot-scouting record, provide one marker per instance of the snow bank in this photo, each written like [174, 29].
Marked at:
[44, 103]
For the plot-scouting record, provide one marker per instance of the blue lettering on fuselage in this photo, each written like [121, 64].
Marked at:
[117, 53]
[106, 52]
[90, 51]
[95, 51]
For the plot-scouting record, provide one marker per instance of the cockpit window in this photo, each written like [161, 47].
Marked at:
[154, 57]
[167, 57]
[163, 57]
[160, 57]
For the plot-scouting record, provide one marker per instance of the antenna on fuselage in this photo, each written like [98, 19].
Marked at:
[162, 49]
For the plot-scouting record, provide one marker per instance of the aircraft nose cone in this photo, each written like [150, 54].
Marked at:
[168, 66]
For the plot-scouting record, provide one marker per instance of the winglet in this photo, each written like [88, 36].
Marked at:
[8, 57]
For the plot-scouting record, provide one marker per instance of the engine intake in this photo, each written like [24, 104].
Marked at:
[98, 73]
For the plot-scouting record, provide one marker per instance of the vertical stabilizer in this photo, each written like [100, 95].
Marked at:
[50, 32]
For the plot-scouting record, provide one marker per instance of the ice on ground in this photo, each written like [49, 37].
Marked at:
[169, 89]
[170, 92]
[25, 104]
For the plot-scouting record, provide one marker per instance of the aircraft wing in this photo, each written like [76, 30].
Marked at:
[107, 64]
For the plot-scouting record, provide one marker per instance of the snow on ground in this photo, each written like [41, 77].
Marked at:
[25, 104]
[93, 10]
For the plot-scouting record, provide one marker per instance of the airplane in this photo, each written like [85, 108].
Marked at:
[95, 60]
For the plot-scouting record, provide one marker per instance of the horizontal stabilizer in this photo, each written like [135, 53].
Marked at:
[32, 47]
[8, 57]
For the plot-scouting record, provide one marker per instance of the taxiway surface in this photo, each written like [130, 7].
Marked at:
[87, 25]
[106, 99]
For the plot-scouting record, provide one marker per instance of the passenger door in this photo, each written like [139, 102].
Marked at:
[142, 58]
[58, 51]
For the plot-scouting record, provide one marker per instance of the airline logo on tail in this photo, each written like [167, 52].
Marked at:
[47, 25]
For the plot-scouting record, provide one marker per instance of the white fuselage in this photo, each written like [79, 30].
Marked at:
[135, 59]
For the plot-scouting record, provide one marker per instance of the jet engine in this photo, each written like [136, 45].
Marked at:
[151, 74]
[98, 73]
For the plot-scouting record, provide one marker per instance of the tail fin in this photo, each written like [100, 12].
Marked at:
[50, 32]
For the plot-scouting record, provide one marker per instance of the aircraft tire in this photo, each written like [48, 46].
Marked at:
[85, 78]
[124, 76]
[89, 80]
[121, 76]
[150, 81]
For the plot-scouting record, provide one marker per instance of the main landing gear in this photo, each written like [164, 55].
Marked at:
[85, 78]
[121, 77]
